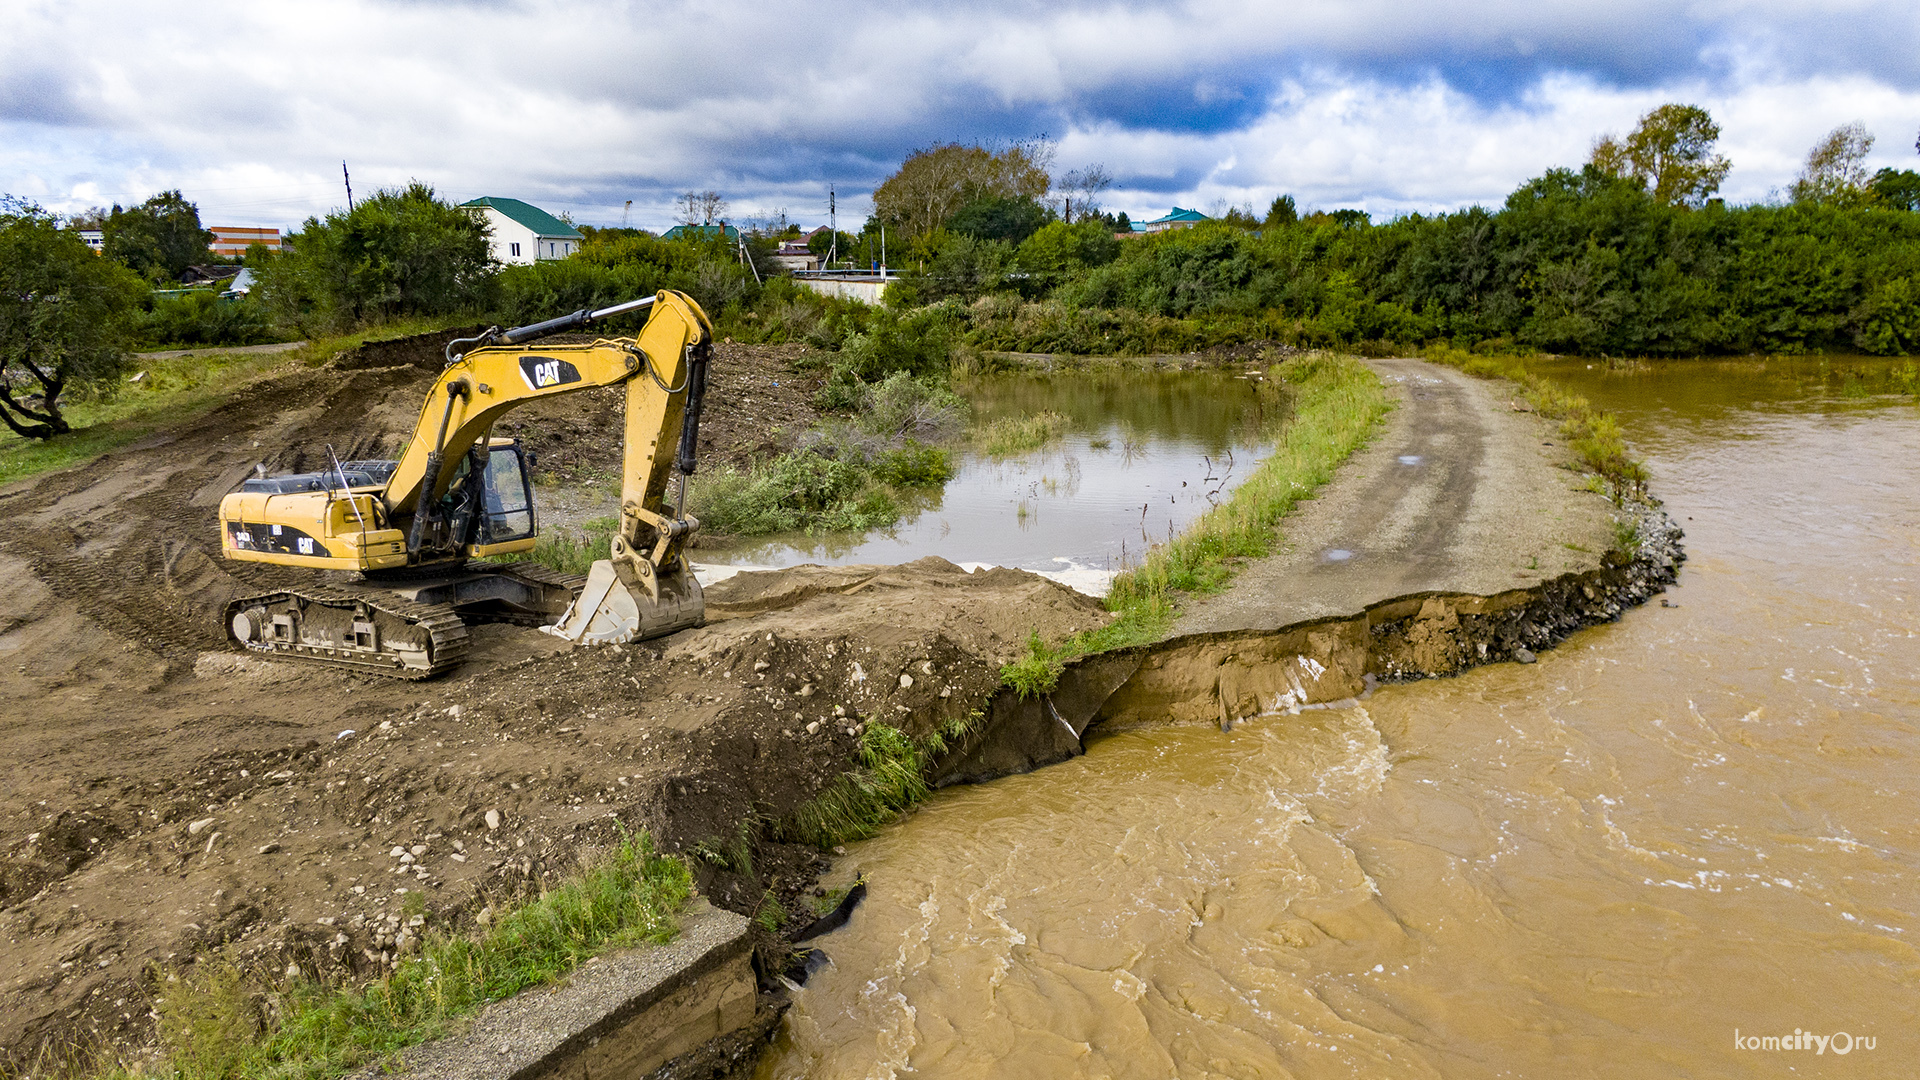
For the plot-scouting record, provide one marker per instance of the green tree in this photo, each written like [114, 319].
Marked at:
[1282, 212]
[158, 239]
[933, 183]
[1671, 152]
[1898, 188]
[841, 245]
[965, 267]
[402, 252]
[65, 315]
[1836, 168]
[1058, 249]
[995, 218]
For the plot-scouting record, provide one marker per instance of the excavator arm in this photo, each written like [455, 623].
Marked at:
[664, 370]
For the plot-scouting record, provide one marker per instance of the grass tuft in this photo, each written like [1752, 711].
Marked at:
[571, 551]
[218, 1022]
[1011, 435]
[1038, 671]
[890, 780]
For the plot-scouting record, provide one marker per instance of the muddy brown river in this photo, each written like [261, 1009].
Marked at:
[1685, 844]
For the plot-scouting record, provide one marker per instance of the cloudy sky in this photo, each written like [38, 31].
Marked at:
[250, 108]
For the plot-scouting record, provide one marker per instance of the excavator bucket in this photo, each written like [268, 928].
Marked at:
[612, 610]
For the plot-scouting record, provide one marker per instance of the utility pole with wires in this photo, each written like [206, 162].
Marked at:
[349, 181]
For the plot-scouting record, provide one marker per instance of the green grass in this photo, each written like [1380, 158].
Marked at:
[569, 550]
[220, 1022]
[1011, 435]
[174, 390]
[890, 779]
[1338, 406]
[1592, 435]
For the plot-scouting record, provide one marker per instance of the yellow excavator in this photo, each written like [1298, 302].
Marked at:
[403, 536]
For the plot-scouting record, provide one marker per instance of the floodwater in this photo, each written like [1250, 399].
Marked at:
[1672, 839]
[1144, 453]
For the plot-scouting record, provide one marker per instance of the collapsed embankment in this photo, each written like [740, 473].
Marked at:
[168, 801]
[1223, 676]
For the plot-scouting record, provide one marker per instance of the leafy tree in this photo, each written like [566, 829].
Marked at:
[1282, 212]
[64, 318]
[933, 183]
[965, 266]
[1671, 152]
[994, 218]
[158, 239]
[404, 251]
[1836, 168]
[1057, 248]
[1898, 188]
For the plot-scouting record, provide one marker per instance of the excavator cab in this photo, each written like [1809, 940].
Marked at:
[507, 502]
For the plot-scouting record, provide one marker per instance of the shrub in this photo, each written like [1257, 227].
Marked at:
[902, 405]
[405, 251]
[200, 317]
[803, 491]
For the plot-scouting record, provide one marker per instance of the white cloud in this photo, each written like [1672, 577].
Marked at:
[250, 108]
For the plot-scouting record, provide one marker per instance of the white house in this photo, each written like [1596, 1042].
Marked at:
[522, 232]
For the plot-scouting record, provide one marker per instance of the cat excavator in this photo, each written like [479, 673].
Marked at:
[403, 538]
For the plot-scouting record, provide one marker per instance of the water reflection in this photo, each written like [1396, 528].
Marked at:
[1144, 453]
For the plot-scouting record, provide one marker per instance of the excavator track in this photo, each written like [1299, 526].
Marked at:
[350, 628]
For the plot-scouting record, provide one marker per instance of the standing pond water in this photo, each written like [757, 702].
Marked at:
[1696, 827]
[1143, 453]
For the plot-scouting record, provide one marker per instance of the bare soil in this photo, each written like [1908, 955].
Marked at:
[166, 797]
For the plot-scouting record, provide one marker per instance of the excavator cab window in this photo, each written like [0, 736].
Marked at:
[509, 497]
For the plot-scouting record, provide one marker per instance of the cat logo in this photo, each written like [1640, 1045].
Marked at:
[542, 372]
[306, 545]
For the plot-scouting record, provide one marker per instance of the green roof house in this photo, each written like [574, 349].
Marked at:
[522, 232]
[690, 231]
[1178, 219]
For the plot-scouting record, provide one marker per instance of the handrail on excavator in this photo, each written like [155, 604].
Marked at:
[519, 335]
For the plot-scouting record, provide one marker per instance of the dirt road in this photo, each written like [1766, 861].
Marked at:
[1464, 492]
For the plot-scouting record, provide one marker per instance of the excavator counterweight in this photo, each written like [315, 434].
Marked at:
[411, 532]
